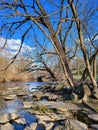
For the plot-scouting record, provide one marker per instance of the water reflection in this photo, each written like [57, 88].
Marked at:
[16, 105]
[35, 85]
[29, 119]
[10, 106]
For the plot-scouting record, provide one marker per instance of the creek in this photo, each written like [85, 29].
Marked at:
[16, 105]
[9, 106]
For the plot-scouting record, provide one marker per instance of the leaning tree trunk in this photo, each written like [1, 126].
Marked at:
[56, 43]
[65, 65]
[59, 49]
[50, 72]
[82, 45]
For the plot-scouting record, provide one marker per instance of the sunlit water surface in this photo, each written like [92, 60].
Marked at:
[16, 105]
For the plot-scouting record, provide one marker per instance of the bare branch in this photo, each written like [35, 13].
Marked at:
[14, 58]
[91, 39]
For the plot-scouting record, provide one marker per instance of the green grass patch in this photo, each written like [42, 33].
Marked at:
[42, 109]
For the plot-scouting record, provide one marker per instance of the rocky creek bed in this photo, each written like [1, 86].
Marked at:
[46, 107]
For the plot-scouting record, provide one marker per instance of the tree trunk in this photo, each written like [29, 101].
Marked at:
[59, 49]
[50, 71]
[84, 76]
[56, 43]
[82, 45]
[61, 52]
[66, 69]
[94, 67]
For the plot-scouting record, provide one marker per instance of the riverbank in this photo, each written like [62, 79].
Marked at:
[45, 107]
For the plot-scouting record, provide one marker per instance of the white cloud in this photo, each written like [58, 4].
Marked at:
[12, 46]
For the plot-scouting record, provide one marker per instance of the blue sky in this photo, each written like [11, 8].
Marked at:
[30, 37]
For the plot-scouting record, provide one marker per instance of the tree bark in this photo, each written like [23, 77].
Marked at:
[59, 49]
[91, 60]
[94, 68]
[82, 45]
[50, 71]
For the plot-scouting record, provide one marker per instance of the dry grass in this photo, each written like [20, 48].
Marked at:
[22, 77]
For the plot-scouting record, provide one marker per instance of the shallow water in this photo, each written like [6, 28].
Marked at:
[10, 106]
[16, 105]
[29, 119]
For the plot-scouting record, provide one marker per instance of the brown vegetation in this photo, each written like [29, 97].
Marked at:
[13, 72]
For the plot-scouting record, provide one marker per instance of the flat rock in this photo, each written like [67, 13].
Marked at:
[6, 92]
[61, 106]
[9, 97]
[28, 104]
[94, 126]
[46, 96]
[33, 126]
[94, 117]
[60, 127]
[57, 116]
[7, 126]
[44, 118]
[14, 88]
[35, 112]
[20, 121]
[27, 128]
[41, 122]
[75, 125]
[54, 97]
[10, 91]
[49, 126]
[49, 96]
[37, 95]
[7, 117]
[62, 109]
[51, 117]
[21, 93]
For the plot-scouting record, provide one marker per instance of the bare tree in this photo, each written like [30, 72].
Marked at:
[55, 24]
[82, 45]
